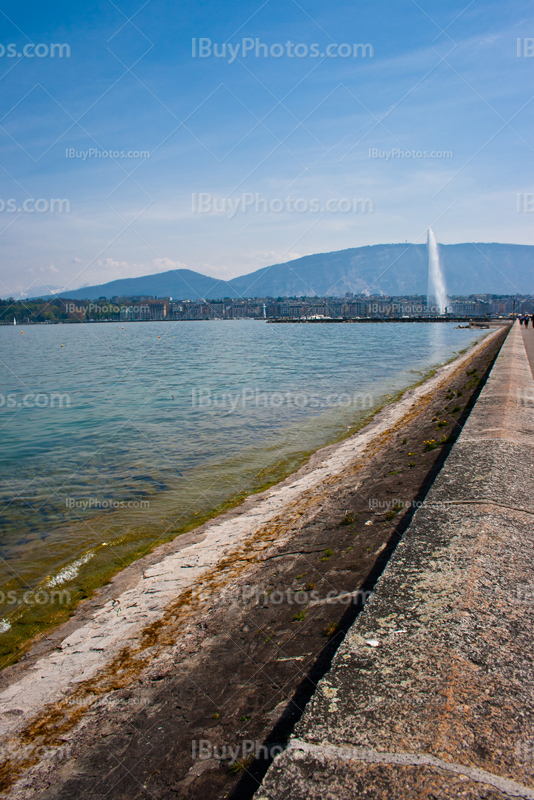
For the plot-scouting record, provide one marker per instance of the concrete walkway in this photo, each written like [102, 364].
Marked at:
[431, 693]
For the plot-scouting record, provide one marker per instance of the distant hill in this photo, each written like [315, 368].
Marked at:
[396, 269]
[180, 283]
[390, 269]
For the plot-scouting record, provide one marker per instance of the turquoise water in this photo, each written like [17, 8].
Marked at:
[170, 420]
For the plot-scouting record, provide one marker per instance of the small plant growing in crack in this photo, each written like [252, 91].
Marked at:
[392, 512]
[330, 629]
[238, 766]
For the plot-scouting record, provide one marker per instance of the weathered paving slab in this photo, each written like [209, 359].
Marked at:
[431, 693]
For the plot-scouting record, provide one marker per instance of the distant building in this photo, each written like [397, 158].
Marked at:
[469, 309]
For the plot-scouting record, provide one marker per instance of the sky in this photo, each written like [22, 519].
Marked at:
[316, 127]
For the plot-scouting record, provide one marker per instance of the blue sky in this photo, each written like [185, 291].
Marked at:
[442, 78]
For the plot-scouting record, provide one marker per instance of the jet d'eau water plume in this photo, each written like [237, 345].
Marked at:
[437, 293]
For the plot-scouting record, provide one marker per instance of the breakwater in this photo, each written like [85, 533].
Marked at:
[432, 684]
[172, 630]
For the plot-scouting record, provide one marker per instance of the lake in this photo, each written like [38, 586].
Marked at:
[118, 437]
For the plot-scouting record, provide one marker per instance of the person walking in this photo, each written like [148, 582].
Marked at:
[526, 320]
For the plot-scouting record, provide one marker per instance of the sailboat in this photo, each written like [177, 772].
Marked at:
[14, 321]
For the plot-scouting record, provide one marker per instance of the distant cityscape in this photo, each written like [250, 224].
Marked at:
[350, 307]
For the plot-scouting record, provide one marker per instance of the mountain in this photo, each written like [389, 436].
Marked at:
[39, 290]
[390, 269]
[180, 283]
[396, 269]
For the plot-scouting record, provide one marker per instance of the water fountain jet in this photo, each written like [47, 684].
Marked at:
[437, 293]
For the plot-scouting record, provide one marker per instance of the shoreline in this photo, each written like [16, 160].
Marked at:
[255, 509]
[452, 615]
[95, 584]
[161, 599]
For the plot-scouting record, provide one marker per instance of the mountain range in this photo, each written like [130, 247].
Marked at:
[388, 269]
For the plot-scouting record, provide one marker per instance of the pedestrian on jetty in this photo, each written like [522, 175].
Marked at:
[526, 322]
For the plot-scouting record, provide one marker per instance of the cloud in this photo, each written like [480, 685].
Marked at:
[53, 269]
[288, 257]
[156, 265]
[108, 262]
[167, 263]
[108, 269]
[272, 257]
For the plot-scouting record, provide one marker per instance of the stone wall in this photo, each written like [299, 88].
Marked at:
[430, 694]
